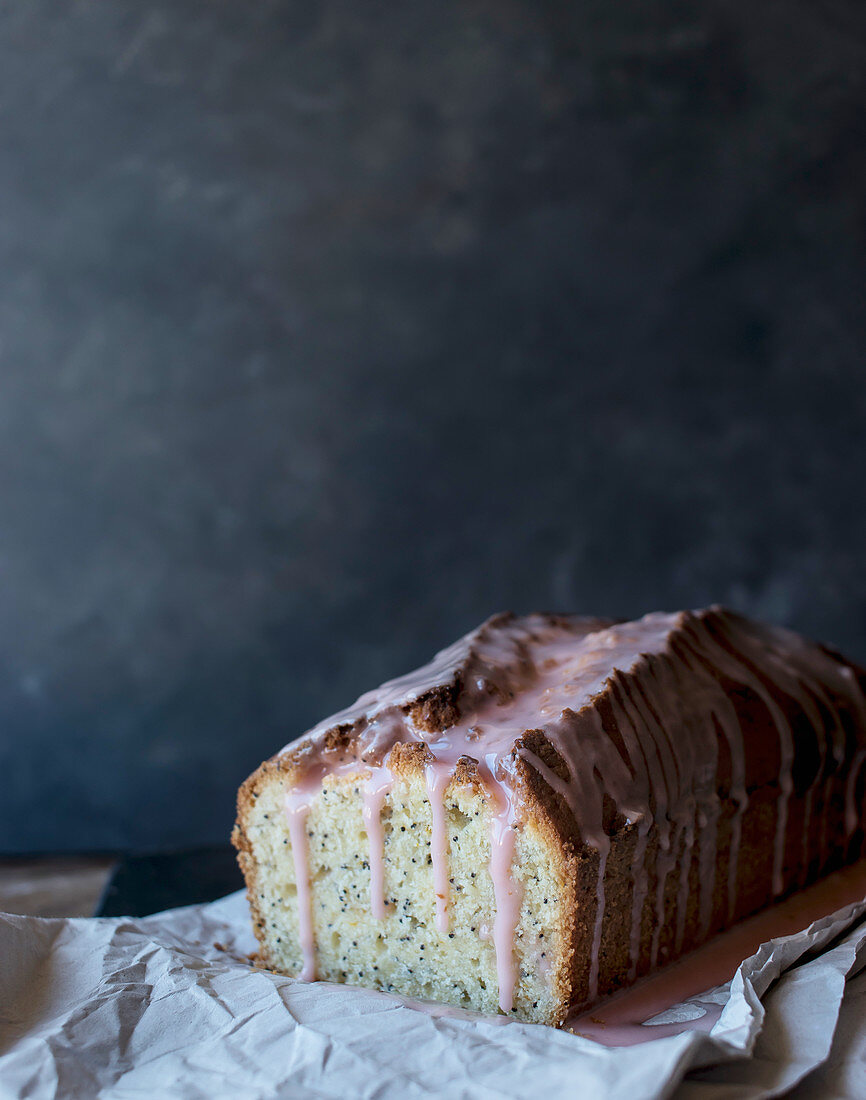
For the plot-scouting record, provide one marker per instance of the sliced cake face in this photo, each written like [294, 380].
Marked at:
[555, 806]
[385, 927]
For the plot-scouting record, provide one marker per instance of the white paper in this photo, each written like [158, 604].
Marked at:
[153, 1007]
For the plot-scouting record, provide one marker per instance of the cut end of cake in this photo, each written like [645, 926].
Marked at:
[378, 916]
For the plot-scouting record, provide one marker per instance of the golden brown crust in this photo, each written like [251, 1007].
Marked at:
[436, 710]
[248, 792]
[551, 817]
[406, 759]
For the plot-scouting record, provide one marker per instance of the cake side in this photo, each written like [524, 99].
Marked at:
[775, 797]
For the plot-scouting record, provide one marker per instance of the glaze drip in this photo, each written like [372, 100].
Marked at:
[297, 809]
[635, 716]
[379, 783]
[437, 778]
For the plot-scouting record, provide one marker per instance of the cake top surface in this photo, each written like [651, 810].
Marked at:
[657, 679]
[499, 662]
[518, 673]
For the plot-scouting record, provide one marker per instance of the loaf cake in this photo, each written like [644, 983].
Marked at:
[554, 807]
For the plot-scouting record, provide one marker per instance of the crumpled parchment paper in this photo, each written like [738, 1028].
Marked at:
[168, 1006]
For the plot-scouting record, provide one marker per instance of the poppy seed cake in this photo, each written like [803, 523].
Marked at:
[554, 807]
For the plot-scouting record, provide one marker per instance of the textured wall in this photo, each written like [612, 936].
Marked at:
[327, 329]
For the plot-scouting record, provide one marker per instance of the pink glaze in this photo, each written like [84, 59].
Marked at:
[507, 892]
[508, 896]
[298, 802]
[297, 809]
[652, 753]
[377, 786]
[438, 775]
[851, 813]
[631, 1034]
[598, 923]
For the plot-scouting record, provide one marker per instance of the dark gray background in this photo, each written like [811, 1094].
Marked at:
[327, 329]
